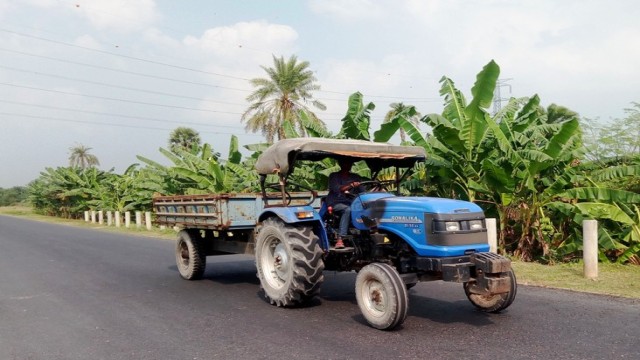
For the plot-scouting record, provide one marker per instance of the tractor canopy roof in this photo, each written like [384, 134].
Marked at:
[281, 156]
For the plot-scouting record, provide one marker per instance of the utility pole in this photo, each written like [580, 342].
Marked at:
[497, 98]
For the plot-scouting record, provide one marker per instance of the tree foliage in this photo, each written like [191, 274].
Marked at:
[524, 165]
[12, 196]
[184, 138]
[615, 141]
[399, 108]
[80, 157]
[278, 99]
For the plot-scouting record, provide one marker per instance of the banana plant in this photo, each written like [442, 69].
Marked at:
[357, 121]
[616, 210]
[511, 162]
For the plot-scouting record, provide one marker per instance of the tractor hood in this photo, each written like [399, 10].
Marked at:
[281, 156]
[423, 205]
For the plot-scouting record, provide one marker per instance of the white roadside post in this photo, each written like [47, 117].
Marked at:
[138, 219]
[127, 219]
[109, 218]
[147, 220]
[492, 234]
[93, 216]
[86, 216]
[590, 248]
[100, 217]
[118, 219]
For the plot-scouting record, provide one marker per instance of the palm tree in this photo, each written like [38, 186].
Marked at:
[280, 98]
[397, 108]
[184, 138]
[80, 157]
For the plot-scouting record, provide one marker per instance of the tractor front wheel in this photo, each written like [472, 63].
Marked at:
[382, 296]
[493, 303]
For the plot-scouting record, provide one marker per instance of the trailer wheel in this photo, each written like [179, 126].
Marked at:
[493, 303]
[190, 255]
[289, 263]
[382, 296]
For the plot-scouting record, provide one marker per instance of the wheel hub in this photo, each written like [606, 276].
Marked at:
[280, 261]
[376, 297]
[184, 254]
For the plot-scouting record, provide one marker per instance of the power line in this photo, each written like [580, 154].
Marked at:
[114, 125]
[188, 68]
[243, 47]
[173, 30]
[123, 71]
[172, 79]
[113, 99]
[118, 86]
[121, 100]
[122, 55]
[114, 115]
[382, 96]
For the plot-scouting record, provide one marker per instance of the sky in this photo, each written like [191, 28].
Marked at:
[119, 75]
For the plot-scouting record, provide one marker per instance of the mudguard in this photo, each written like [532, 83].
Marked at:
[289, 215]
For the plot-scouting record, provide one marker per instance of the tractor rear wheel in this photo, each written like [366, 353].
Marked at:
[289, 262]
[382, 296]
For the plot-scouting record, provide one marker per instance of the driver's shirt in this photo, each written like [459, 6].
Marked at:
[337, 180]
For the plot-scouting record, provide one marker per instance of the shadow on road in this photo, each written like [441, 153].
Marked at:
[229, 270]
[445, 306]
[447, 312]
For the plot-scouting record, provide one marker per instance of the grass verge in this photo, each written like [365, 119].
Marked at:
[26, 212]
[614, 279]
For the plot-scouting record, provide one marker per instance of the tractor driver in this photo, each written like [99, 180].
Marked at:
[340, 183]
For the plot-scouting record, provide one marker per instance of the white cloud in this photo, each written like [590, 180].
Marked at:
[348, 9]
[88, 41]
[119, 15]
[424, 8]
[42, 3]
[259, 39]
[158, 38]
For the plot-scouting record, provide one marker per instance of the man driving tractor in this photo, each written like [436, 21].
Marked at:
[339, 198]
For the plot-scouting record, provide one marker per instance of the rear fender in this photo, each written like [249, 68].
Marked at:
[289, 215]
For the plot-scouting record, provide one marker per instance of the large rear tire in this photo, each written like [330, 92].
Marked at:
[289, 263]
[382, 296]
[190, 255]
[493, 303]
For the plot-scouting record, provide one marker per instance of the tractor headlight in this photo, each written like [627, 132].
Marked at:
[446, 226]
[452, 226]
[475, 225]
[462, 226]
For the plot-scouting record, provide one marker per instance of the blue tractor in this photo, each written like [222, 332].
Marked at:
[394, 242]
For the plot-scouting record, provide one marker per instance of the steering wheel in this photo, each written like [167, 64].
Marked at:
[369, 186]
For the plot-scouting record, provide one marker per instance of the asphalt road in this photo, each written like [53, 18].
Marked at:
[76, 293]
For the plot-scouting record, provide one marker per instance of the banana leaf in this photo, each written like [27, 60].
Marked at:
[601, 194]
[616, 172]
[605, 211]
[473, 126]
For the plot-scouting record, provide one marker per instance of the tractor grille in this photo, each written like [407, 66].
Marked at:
[438, 235]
